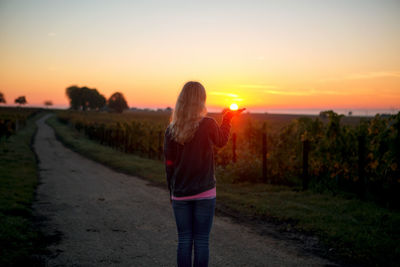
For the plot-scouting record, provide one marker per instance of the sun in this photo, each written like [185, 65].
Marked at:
[233, 107]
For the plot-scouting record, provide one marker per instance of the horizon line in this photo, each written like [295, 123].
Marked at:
[272, 110]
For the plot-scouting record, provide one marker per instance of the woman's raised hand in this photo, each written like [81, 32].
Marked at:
[229, 114]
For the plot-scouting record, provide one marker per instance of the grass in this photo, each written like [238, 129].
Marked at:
[356, 231]
[18, 180]
[152, 170]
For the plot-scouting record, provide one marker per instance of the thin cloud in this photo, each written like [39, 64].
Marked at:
[295, 93]
[332, 92]
[257, 86]
[224, 94]
[304, 92]
[51, 34]
[367, 75]
[379, 74]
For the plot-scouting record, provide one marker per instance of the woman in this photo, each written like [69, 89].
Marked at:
[189, 161]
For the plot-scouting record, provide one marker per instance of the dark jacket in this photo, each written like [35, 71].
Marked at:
[190, 167]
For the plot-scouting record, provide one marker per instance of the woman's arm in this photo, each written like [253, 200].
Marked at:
[220, 134]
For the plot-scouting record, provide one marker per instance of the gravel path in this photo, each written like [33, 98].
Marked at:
[105, 218]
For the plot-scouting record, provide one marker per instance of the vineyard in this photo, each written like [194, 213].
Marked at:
[141, 133]
[326, 153]
[13, 119]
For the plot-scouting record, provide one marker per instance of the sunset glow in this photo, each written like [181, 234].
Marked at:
[264, 55]
[233, 107]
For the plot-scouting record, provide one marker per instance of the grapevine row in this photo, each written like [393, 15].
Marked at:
[339, 158]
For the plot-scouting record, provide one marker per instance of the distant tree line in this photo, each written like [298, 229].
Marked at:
[48, 103]
[84, 98]
[21, 100]
[2, 98]
[117, 102]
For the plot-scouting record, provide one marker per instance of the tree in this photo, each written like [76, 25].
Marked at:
[74, 95]
[96, 100]
[48, 103]
[84, 98]
[2, 98]
[21, 100]
[117, 102]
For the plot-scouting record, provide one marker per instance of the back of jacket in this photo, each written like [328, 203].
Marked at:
[190, 167]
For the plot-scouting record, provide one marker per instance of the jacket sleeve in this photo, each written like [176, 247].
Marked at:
[169, 158]
[220, 134]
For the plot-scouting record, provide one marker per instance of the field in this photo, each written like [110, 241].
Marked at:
[355, 226]
[351, 227]
[18, 179]
[324, 153]
[13, 119]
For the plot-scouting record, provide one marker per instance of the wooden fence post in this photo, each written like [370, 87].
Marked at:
[305, 178]
[264, 153]
[234, 147]
[361, 166]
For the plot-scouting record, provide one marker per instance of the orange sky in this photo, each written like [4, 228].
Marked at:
[280, 54]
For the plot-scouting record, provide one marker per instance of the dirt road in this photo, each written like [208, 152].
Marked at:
[106, 218]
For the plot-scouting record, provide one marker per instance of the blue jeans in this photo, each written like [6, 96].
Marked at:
[193, 220]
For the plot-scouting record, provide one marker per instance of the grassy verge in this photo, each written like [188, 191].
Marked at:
[152, 170]
[18, 180]
[357, 231]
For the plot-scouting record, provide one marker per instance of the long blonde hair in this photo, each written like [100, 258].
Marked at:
[190, 108]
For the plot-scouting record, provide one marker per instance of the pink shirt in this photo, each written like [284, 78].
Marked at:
[212, 193]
